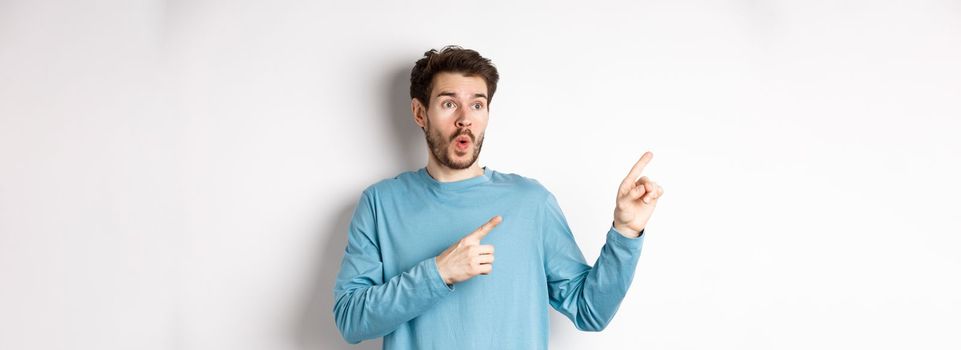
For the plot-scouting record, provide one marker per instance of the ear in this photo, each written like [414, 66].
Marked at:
[419, 112]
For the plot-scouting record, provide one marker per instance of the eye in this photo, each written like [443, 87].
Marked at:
[478, 105]
[448, 104]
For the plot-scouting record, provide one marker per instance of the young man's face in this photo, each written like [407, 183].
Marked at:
[455, 120]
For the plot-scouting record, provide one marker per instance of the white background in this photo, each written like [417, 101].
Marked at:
[180, 174]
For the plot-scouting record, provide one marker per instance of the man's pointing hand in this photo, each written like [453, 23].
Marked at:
[636, 199]
[467, 258]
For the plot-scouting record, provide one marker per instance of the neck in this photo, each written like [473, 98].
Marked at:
[444, 174]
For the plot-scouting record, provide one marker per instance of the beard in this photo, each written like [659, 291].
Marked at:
[440, 147]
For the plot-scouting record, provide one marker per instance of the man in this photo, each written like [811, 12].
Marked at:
[418, 270]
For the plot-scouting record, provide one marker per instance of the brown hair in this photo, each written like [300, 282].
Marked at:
[453, 59]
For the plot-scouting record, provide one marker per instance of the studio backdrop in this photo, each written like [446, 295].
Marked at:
[181, 174]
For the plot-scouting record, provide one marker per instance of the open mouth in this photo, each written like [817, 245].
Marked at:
[462, 143]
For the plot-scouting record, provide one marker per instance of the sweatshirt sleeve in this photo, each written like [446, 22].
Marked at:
[588, 296]
[366, 305]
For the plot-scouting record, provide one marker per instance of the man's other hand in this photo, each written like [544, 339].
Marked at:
[467, 257]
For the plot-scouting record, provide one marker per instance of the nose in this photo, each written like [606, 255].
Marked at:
[463, 121]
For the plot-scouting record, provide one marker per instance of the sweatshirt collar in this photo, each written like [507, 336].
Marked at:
[455, 185]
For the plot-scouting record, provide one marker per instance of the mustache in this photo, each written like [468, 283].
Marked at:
[463, 132]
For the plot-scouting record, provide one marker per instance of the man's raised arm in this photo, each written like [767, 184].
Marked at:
[590, 295]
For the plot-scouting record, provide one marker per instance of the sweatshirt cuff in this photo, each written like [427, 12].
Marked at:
[616, 238]
[436, 283]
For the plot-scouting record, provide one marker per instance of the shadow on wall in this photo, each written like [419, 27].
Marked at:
[410, 146]
[316, 328]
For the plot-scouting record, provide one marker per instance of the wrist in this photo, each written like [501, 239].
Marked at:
[626, 231]
[442, 271]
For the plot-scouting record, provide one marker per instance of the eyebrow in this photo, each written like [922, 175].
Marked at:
[451, 94]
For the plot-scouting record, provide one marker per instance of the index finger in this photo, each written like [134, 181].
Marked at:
[637, 169]
[486, 228]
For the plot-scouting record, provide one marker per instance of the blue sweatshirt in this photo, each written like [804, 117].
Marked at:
[389, 286]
